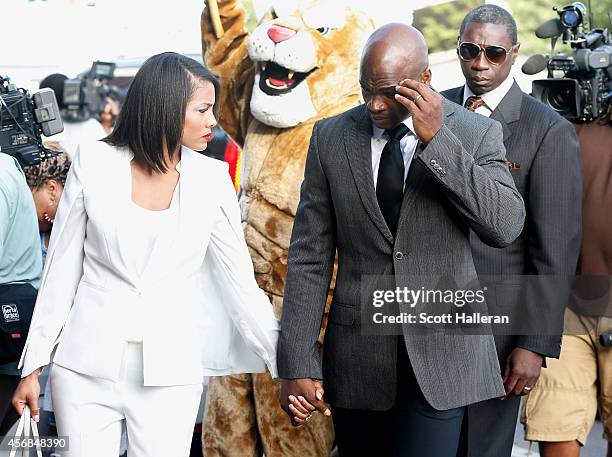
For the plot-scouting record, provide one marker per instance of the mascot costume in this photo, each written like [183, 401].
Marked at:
[299, 65]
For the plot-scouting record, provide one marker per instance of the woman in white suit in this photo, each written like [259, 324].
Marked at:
[148, 284]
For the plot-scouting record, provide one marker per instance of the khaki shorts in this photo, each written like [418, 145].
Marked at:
[564, 401]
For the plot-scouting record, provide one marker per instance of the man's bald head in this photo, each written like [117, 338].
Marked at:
[393, 53]
[397, 45]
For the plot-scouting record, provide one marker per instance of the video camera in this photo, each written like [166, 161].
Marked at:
[23, 118]
[85, 96]
[584, 90]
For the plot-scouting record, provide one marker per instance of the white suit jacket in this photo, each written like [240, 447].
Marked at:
[197, 303]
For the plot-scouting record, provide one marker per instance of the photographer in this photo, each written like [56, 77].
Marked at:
[20, 263]
[561, 409]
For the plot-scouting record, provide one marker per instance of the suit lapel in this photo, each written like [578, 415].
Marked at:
[123, 195]
[509, 109]
[358, 148]
[455, 95]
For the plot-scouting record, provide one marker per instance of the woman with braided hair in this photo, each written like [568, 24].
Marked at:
[46, 180]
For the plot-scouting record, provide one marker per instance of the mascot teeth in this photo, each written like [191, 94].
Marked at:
[276, 85]
[276, 79]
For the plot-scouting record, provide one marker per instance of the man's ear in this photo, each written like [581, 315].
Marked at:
[515, 52]
[426, 76]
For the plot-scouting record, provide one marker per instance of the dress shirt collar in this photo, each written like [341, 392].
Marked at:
[492, 98]
[378, 133]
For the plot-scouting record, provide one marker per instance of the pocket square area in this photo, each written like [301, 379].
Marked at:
[513, 166]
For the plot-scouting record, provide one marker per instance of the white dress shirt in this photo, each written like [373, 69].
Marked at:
[145, 229]
[408, 145]
[491, 99]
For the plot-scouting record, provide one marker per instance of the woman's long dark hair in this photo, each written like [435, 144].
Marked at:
[153, 115]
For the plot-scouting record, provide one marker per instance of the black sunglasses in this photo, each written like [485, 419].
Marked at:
[495, 54]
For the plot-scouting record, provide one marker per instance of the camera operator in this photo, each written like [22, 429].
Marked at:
[76, 130]
[561, 409]
[20, 263]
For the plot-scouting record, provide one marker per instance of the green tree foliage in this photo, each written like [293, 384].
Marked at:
[251, 19]
[440, 23]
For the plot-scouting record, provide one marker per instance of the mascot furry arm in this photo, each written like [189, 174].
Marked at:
[228, 57]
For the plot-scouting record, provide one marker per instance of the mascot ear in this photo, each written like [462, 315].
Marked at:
[267, 16]
[263, 10]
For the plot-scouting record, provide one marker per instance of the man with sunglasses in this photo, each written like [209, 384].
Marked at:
[543, 157]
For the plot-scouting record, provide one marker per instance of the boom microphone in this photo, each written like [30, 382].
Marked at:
[534, 64]
[550, 29]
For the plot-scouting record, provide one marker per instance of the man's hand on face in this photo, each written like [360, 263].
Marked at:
[522, 371]
[299, 398]
[424, 104]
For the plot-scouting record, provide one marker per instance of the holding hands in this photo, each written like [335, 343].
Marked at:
[424, 104]
[300, 398]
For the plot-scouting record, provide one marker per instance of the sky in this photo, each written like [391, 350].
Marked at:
[67, 32]
[70, 34]
[66, 36]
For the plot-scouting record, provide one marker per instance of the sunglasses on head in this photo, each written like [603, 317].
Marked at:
[495, 54]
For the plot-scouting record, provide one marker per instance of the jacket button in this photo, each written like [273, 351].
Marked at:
[399, 255]
[433, 162]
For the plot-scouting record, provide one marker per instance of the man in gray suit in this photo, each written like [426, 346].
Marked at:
[394, 187]
[544, 160]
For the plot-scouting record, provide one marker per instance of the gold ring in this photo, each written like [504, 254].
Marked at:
[308, 418]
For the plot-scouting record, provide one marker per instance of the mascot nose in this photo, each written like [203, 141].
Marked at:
[278, 33]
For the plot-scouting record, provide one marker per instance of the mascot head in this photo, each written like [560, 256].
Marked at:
[307, 54]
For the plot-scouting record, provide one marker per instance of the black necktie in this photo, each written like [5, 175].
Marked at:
[390, 182]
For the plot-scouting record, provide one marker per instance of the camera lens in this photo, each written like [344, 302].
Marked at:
[559, 100]
[570, 18]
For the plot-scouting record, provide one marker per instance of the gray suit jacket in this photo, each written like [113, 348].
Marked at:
[545, 147]
[338, 211]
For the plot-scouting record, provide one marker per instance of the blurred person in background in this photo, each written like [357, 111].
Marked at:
[20, 262]
[109, 115]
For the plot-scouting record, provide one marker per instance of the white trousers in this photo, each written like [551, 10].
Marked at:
[90, 411]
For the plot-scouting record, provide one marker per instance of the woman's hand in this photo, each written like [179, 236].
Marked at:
[299, 398]
[27, 392]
